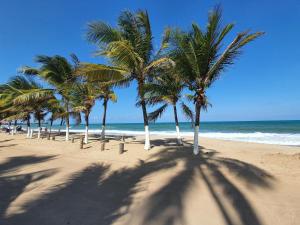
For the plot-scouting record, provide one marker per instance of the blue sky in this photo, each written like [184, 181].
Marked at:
[262, 85]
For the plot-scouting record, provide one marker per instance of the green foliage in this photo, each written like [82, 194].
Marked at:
[198, 54]
[129, 47]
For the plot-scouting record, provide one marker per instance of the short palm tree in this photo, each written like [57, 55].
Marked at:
[200, 60]
[104, 85]
[57, 111]
[129, 47]
[16, 92]
[59, 74]
[166, 89]
[106, 95]
[83, 99]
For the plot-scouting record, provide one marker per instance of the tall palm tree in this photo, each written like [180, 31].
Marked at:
[129, 46]
[166, 89]
[83, 98]
[200, 60]
[59, 74]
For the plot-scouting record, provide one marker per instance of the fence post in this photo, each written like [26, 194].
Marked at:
[102, 145]
[121, 148]
[81, 142]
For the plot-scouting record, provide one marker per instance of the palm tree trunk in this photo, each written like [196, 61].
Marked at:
[9, 125]
[60, 125]
[196, 131]
[67, 122]
[14, 128]
[147, 133]
[145, 116]
[39, 129]
[51, 123]
[86, 137]
[104, 119]
[67, 127]
[179, 141]
[28, 126]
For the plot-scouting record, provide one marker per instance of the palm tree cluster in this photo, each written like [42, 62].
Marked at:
[186, 61]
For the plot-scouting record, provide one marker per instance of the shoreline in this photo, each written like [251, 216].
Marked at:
[284, 139]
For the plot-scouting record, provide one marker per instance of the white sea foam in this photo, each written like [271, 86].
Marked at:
[257, 137]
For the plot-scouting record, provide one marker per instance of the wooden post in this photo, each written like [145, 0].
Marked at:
[102, 145]
[121, 148]
[123, 138]
[73, 139]
[53, 137]
[48, 138]
[81, 142]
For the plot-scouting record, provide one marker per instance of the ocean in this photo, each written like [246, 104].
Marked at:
[268, 132]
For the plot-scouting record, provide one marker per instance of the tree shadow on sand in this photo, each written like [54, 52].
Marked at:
[12, 164]
[5, 140]
[97, 196]
[12, 186]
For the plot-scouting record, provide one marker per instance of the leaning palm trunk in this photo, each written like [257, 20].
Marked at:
[86, 136]
[179, 141]
[196, 131]
[104, 119]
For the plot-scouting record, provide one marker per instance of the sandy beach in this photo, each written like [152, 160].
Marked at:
[53, 182]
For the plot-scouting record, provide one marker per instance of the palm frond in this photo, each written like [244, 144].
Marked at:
[230, 53]
[187, 112]
[34, 95]
[100, 32]
[113, 97]
[122, 53]
[153, 116]
[164, 62]
[100, 73]
[165, 40]
[28, 70]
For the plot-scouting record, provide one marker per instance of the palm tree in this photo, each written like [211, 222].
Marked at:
[17, 99]
[200, 60]
[166, 89]
[39, 114]
[56, 110]
[59, 73]
[107, 95]
[103, 84]
[83, 99]
[129, 47]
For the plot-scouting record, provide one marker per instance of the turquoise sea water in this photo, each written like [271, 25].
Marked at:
[269, 132]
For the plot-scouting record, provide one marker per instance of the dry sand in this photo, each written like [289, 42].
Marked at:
[45, 182]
